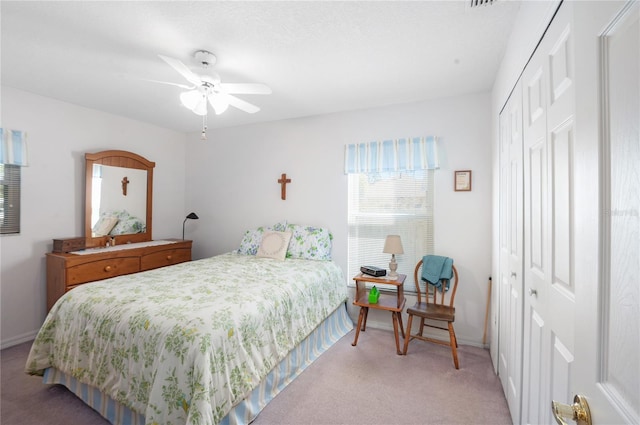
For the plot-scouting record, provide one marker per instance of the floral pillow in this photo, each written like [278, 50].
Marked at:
[252, 238]
[129, 225]
[309, 243]
[126, 223]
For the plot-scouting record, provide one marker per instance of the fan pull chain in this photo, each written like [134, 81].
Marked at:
[204, 127]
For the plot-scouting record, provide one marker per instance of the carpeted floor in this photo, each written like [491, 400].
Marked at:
[366, 384]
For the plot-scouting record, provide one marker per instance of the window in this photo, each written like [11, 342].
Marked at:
[9, 198]
[391, 203]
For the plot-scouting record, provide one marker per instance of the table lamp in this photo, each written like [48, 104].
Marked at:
[191, 216]
[393, 246]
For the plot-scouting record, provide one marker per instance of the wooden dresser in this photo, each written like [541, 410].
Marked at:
[65, 271]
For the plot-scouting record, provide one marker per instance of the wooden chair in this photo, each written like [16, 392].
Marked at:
[438, 307]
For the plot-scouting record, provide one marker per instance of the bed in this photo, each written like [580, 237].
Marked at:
[204, 342]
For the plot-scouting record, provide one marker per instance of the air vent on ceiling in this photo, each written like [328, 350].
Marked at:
[478, 3]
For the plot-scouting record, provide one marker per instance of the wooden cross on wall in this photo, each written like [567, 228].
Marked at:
[125, 182]
[283, 185]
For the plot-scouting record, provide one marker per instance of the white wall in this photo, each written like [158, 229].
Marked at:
[232, 185]
[528, 28]
[59, 134]
[111, 189]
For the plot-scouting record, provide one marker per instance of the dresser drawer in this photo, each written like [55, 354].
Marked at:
[163, 258]
[65, 271]
[102, 269]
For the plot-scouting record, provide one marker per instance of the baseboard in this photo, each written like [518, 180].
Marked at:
[6, 343]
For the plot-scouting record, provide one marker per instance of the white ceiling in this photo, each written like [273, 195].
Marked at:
[317, 56]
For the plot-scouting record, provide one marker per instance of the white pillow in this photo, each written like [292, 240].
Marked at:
[104, 225]
[274, 245]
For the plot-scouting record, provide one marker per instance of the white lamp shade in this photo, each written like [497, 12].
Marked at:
[218, 103]
[393, 245]
[195, 101]
[201, 107]
[190, 99]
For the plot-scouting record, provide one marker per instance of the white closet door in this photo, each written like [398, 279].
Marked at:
[549, 158]
[570, 219]
[607, 366]
[511, 250]
[581, 214]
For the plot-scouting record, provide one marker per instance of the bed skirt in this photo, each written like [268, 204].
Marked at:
[334, 327]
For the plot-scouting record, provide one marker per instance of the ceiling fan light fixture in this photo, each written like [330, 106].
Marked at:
[201, 107]
[190, 99]
[218, 103]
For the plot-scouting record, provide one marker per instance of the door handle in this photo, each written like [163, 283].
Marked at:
[533, 292]
[513, 274]
[578, 411]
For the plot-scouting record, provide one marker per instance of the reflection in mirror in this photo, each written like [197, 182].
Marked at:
[119, 198]
[119, 193]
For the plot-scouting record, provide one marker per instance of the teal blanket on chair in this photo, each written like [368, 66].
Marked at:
[435, 269]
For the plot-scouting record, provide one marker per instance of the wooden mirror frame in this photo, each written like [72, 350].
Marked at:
[124, 159]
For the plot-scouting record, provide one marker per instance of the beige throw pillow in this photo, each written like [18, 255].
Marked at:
[274, 245]
[104, 225]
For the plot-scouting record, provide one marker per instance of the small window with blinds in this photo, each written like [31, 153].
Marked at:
[9, 199]
[392, 203]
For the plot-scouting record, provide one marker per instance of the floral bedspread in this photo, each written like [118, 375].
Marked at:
[184, 344]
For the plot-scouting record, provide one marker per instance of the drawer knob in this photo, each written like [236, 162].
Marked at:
[169, 257]
[107, 269]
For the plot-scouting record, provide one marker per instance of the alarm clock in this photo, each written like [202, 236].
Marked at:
[373, 271]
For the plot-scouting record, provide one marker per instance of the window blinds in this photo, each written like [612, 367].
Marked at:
[385, 204]
[9, 199]
[390, 192]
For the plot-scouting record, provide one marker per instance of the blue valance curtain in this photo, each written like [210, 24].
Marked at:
[406, 154]
[13, 147]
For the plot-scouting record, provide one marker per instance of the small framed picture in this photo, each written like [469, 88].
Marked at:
[462, 180]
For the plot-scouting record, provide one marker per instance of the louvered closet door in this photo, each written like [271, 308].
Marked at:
[549, 147]
[511, 252]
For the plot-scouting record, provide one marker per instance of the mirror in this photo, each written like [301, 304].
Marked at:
[118, 205]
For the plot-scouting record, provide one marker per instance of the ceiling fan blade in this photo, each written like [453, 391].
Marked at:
[218, 103]
[184, 86]
[241, 104]
[182, 69]
[248, 88]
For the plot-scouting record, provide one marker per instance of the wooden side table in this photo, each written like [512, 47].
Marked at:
[385, 302]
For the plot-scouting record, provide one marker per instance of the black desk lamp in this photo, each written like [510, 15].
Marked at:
[191, 216]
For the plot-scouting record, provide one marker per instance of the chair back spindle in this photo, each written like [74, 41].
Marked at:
[431, 292]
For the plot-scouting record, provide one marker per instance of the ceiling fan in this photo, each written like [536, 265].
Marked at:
[208, 88]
